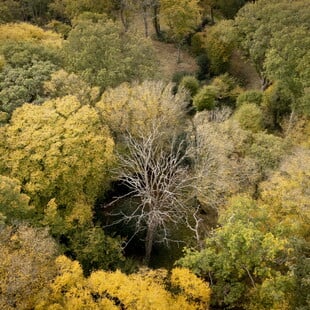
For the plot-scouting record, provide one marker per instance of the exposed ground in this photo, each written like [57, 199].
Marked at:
[168, 54]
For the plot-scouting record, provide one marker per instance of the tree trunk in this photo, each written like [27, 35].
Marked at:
[265, 83]
[291, 121]
[149, 240]
[180, 44]
[156, 19]
[179, 53]
[146, 26]
[212, 15]
[123, 18]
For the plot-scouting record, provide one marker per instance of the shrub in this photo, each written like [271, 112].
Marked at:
[205, 99]
[176, 79]
[197, 43]
[228, 89]
[250, 96]
[250, 117]
[191, 84]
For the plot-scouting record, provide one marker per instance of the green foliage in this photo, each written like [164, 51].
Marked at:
[23, 84]
[243, 260]
[220, 41]
[104, 57]
[277, 100]
[19, 54]
[35, 10]
[267, 150]
[181, 17]
[289, 64]
[69, 9]
[250, 96]
[274, 35]
[2, 62]
[178, 76]
[204, 66]
[250, 117]
[10, 11]
[59, 27]
[227, 89]
[197, 43]
[190, 84]
[14, 205]
[205, 99]
[28, 63]
[230, 7]
[94, 250]
[80, 239]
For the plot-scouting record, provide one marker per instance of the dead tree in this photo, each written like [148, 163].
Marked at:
[154, 170]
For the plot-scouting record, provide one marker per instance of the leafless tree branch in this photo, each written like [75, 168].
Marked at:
[155, 172]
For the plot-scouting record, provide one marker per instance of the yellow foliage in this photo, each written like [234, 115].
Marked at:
[81, 213]
[181, 16]
[27, 32]
[61, 149]
[145, 290]
[62, 83]
[287, 193]
[26, 266]
[138, 108]
[2, 62]
[191, 285]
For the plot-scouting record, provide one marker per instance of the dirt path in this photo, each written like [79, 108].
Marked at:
[167, 55]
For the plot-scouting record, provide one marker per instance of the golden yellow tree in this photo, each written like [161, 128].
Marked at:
[26, 266]
[59, 150]
[115, 290]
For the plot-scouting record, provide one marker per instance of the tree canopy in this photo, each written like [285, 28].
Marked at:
[58, 150]
[104, 56]
[130, 179]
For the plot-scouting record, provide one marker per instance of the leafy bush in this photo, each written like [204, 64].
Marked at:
[59, 27]
[250, 117]
[197, 43]
[250, 96]
[176, 79]
[190, 84]
[228, 89]
[205, 98]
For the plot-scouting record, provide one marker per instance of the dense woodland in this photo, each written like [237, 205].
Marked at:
[124, 185]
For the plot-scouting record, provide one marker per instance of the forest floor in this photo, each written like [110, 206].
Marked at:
[244, 71]
[167, 54]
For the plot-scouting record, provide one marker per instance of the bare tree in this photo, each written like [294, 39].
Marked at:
[154, 170]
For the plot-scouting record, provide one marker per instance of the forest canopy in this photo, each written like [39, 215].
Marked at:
[154, 154]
